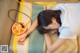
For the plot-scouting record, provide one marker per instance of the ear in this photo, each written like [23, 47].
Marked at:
[53, 19]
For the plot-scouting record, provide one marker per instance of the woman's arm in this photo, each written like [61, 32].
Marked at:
[53, 46]
[32, 27]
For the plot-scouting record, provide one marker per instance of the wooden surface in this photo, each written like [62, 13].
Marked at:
[5, 22]
[60, 1]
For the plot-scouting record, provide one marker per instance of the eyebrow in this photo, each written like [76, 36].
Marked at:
[52, 29]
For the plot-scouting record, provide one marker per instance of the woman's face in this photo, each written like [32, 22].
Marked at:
[53, 25]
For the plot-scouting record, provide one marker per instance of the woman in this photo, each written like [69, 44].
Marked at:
[51, 21]
[45, 22]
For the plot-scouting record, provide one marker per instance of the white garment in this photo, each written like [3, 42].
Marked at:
[70, 19]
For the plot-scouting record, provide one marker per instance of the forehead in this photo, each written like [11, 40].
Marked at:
[49, 26]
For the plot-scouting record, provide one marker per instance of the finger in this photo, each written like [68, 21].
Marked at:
[22, 39]
[21, 43]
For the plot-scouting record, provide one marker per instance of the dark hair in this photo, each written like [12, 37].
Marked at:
[45, 18]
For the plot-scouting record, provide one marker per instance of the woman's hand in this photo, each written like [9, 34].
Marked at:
[22, 38]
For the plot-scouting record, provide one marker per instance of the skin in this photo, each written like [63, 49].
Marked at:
[50, 45]
[21, 39]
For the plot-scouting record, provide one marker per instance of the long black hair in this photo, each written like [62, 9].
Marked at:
[45, 18]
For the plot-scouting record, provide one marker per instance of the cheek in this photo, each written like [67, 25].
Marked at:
[53, 26]
[49, 26]
[56, 25]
